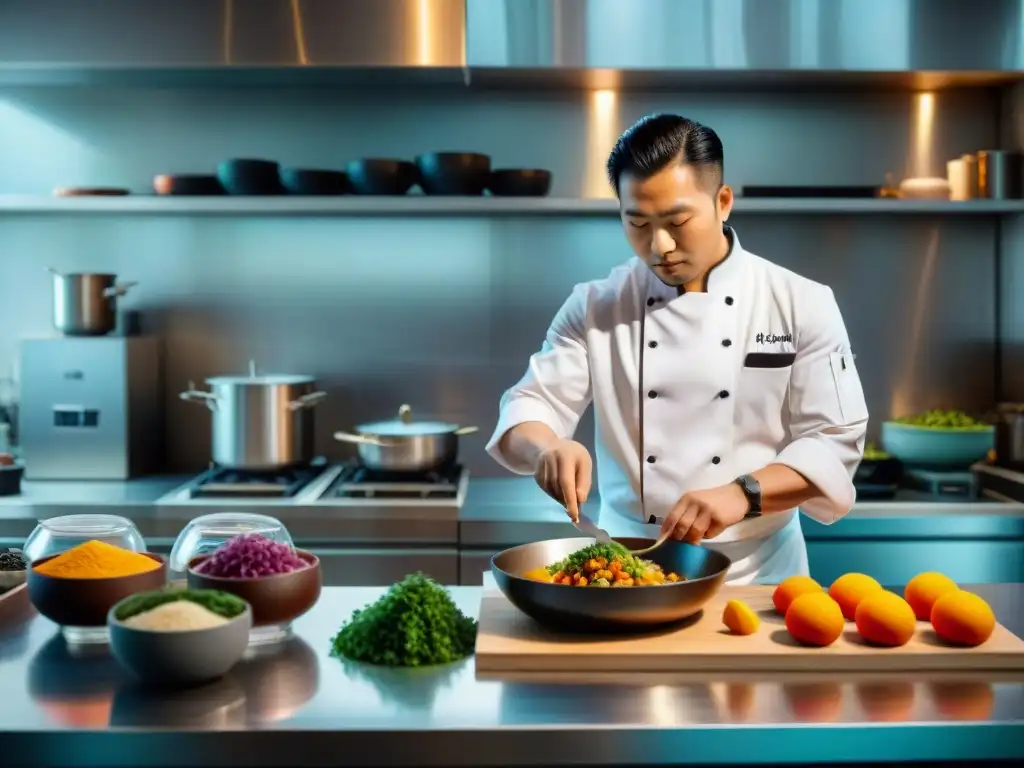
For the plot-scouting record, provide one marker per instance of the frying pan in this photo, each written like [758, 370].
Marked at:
[636, 609]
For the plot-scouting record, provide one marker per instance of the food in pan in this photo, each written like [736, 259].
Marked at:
[604, 565]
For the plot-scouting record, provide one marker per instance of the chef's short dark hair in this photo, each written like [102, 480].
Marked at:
[655, 141]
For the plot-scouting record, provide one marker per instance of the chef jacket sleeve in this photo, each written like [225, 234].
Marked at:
[555, 390]
[827, 414]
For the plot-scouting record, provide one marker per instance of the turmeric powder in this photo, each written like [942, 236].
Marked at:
[96, 560]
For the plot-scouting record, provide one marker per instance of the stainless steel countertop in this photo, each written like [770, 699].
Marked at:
[306, 708]
[498, 512]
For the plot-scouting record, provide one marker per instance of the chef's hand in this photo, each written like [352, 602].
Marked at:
[705, 514]
[564, 472]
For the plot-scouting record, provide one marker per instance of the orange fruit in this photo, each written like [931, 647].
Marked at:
[791, 589]
[815, 619]
[739, 618]
[924, 589]
[884, 618]
[963, 618]
[849, 589]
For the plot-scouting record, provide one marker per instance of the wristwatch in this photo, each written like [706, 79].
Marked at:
[752, 490]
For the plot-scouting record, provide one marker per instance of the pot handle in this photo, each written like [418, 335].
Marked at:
[193, 395]
[307, 401]
[348, 437]
[461, 431]
[405, 414]
[119, 290]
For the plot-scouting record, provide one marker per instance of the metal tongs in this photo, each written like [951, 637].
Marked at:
[589, 528]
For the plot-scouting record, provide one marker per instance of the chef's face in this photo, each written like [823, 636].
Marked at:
[673, 221]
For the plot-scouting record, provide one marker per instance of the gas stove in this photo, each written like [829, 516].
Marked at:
[358, 482]
[322, 485]
[225, 483]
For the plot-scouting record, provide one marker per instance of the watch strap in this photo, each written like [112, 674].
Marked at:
[752, 490]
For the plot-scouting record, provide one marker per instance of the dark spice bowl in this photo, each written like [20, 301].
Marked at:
[519, 182]
[275, 600]
[454, 173]
[86, 602]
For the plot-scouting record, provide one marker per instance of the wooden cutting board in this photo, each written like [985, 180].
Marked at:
[510, 642]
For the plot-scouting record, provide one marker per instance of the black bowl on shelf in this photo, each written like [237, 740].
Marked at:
[381, 176]
[519, 182]
[187, 184]
[302, 181]
[250, 177]
[454, 173]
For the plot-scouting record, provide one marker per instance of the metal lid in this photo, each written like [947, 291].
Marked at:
[404, 426]
[401, 429]
[264, 380]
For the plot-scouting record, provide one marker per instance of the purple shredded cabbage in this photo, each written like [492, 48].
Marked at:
[250, 556]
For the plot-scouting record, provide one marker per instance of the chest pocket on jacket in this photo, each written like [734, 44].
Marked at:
[761, 392]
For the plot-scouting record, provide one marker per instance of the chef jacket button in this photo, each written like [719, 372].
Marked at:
[652, 344]
[723, 394]
[651, 459]
[728, 300]
[650, 302]
[652, 394]
[716, 460]
[652, 520]
[726, 342]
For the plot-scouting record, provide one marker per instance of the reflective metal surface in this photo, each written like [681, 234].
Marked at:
[63, 710]
[237, 33]
[738, 35]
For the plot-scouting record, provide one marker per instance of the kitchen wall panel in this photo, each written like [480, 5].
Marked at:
[442, 313]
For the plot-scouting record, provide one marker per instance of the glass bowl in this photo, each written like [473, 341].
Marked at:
[205, 534]
[59, 534]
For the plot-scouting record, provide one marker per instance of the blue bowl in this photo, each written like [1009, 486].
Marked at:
[933, 446]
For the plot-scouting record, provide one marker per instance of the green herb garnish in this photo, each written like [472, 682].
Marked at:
[634, 566]
[415, 624]
[221, 603]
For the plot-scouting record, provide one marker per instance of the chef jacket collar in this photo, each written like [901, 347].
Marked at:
[722, 279]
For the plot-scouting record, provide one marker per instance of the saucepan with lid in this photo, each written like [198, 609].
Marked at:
[260, 422]
[406, 445]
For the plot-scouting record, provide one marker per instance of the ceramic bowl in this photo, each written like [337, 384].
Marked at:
[187, 657]
[930, 446]
[275, 600]
[86, 602]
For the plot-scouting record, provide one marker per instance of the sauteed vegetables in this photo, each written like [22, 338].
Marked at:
[604, 565]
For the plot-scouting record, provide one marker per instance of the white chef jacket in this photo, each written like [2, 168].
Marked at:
[757, 370]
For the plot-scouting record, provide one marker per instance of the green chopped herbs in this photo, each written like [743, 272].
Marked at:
[13, 560]
[634, 566]
[415, 624]
[221, 603]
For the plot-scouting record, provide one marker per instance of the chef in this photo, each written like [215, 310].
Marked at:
[726, 394]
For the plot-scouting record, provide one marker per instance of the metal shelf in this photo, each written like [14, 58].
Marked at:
[420, 205]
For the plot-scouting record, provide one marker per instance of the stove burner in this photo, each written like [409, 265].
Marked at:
[222, 482]
[943, 482]
[357, 481]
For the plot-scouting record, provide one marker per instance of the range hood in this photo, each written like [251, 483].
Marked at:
[55, 39]
[494, 40]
